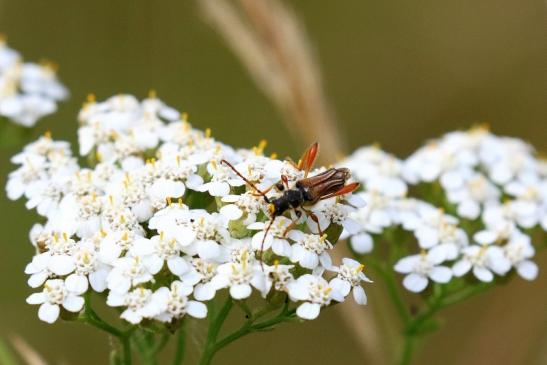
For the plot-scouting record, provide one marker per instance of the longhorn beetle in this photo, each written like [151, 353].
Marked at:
[306, 192]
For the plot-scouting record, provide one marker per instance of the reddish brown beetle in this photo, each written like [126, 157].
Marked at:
[307, 191]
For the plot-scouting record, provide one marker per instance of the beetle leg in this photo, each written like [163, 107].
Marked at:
[315, 219]
[285, 181]
[262, 243]
[293, 223]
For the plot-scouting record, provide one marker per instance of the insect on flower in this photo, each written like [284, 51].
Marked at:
[306, 192]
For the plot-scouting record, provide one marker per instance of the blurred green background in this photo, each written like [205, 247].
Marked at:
[397, 72]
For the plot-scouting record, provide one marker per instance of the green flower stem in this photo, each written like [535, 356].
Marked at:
[90, 317]
[181, 344]
[424, 323]
[390, 280]
[126, 344]
[408, 350]
[164, 339]
[465, 293]
[145, 342]
[248, 327]
[214, 328]
[244, 307]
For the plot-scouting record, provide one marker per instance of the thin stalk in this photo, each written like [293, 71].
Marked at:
[414, 328]
[393, 292]
[92, 318]
[466, 293]
[161, 344]
[214, 329]
[419, 325]
[408, 350]
[249, 327]
[126, 343]
[181, 345]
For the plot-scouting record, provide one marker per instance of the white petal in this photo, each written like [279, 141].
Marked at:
[483, 274]
[196, 309]
[185, 236]
[259, 282]
[259, 243]
[131, 316]
[61, 265]
[97, 280]
[76, 284]
[143, 247]
[193, 181]
[118, 283]
[177, 265]
[219, 188]
[527, 270]
[406, 264]
[73, 303]
[109, 251]
[415, 282]
[208, 250]
[281, 247]
[115, 299]
[359, 295]
[362, 243]
[469, 209]
[309, 260]
[308, 310]
[298, 291]
[37, 279]
[461, 268]
[153, 263]
[452, 180]
[240, 291]
[36, 298]
[340, 285]
[427, 237]
[231, 212]
[485, 237]
[204, 292]
[49, 312]
[325, 260]
[441, 274]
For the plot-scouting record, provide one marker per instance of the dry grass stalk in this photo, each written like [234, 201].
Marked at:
[271, 43]
[27, 353]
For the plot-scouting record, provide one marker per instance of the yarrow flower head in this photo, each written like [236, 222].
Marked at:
[28, 91]
[165, 217]
[483, 197]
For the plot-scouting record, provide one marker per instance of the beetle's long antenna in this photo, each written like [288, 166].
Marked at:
[246, 180]
[264, 240]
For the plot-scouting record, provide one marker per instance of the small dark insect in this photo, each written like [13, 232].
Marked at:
[306, 192]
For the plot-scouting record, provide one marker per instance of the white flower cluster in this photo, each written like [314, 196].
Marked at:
[28, 91]
[495, 188]
[161, 224]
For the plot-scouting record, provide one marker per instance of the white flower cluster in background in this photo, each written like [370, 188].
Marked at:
[28, 91]
[495, 188]
[162, 225]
